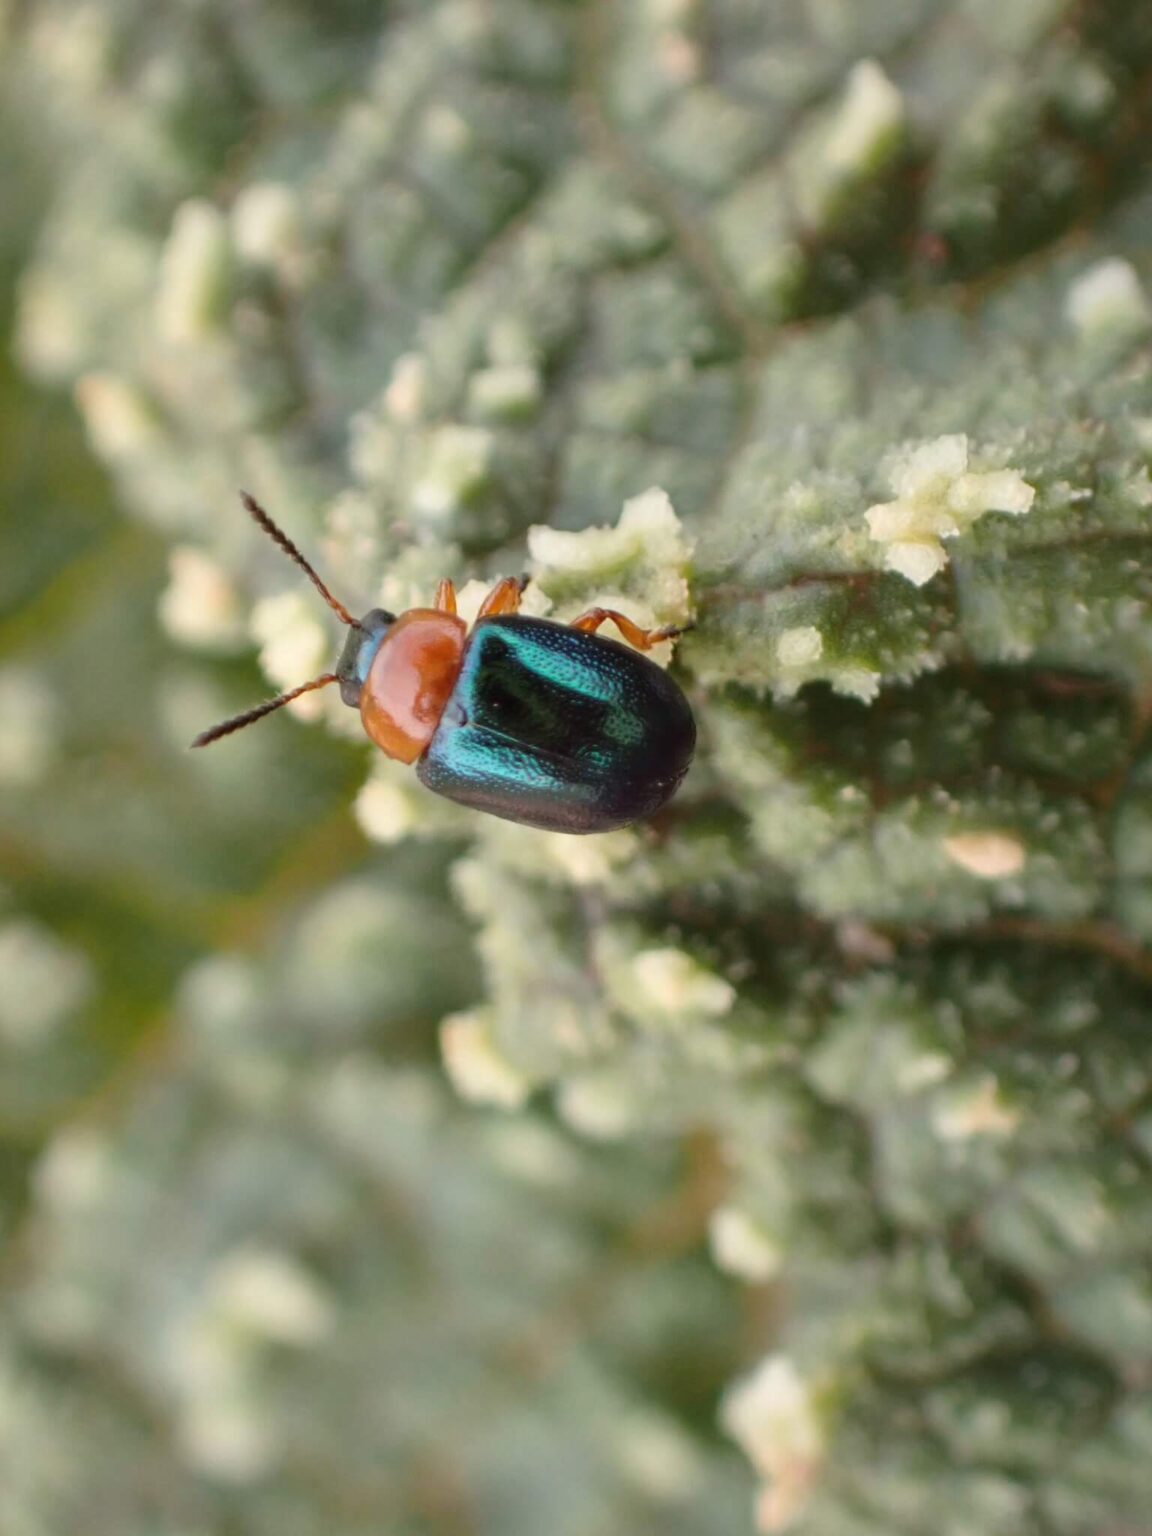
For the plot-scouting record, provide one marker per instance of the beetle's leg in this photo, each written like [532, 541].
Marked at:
[445, 597]
[504, 597]
[642, 639]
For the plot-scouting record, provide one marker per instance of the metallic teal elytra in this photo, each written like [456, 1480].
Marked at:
[558, 728]
[547, 724]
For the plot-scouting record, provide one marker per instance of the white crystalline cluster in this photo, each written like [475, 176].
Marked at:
[506, 393]
[740, 1246]
[404, 396]
[772, 1416]
[557, 857]
[266, 226]
[193, 269]
[116, 417]
[600, 1105]
[75, 1171]
[647, 525]
[671, 981]
[798, 651]
[658, 1456]
[294, 644]
[798, 647]
[870, 115]
[978, 1110]
[200, 606]
[270, 1295]
[989, 855]
[1108, 299]
[477, 1069]
[255, 1297]
[937, 497]
[646, 548]
[386, 809]
[457, 465]
[44, 981]
[856, 683]
[865, 129]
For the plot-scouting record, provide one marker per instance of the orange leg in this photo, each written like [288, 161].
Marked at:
[642, 639]
[504, 597]
[445, 597]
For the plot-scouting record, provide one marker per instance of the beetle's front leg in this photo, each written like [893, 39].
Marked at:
[445, 597]
[642, 639]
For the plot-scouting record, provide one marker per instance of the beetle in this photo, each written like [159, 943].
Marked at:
[548, 724]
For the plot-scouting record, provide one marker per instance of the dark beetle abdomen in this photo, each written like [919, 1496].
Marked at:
[557, 728]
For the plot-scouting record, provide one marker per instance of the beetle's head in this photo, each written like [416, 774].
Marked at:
[360, 652]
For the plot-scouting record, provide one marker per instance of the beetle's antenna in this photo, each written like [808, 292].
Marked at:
[278, 536]
[238, 722]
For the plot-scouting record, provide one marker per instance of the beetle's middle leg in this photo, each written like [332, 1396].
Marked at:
[642, 639]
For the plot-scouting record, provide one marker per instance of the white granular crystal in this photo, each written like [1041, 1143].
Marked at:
[116, 417]
[193, 272]
[772, 1417]
[294, 644]
[1108, 299]
[647, 546]
[228, 1439]
[598, 1105]
[864, 130]
[870, 117]
[679, 58]
[470, 596]
[740, 1246]
[1138, 488]
[990, 855]
[975, 1111]
[477, 1069]
[266, 224]
[385, 810]
[673, 982]
[44, 982]
[799, 647]
[648, 527]
[200, 607]
[457, 464]
[404, 396]
[658, 1456]
[923, 1071]
[75, 1171]
[854, 938]
[937, 498]
[272, 1296]
[588, 861]
[447, 130]
[508, 391]
[856, 683]
[538, 1155]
